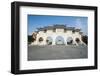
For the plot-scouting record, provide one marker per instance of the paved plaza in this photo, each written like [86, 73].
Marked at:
[54, 52]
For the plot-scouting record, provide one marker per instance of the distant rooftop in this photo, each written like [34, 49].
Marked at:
[55, 26]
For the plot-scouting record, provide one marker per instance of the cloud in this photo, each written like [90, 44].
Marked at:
[78, 23]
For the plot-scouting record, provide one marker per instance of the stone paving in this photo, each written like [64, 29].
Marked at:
[57, 52]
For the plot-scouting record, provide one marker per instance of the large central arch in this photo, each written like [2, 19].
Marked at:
[59, 40]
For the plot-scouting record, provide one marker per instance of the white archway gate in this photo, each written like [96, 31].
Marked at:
[58, 39]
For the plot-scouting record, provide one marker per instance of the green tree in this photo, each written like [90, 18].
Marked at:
[30, 39]
[85, 39]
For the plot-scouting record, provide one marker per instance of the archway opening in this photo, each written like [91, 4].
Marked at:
[77, 40]
[69, 40]
[59, 40]
[40, 39]
[49, 40]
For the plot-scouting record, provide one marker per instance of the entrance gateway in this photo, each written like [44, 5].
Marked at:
[57, 35]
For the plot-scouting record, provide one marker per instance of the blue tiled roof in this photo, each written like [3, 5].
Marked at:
[55, 26]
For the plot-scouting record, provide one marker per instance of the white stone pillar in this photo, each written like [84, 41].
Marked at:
[74, 42]
[36, 42]
[53, 41]
[65, 40]
[44, 41]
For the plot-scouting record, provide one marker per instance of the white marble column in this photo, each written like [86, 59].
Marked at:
[65, 40]
[53, 41]
[74, 42]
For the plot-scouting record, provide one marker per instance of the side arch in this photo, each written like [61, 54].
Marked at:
[49, 40]
[77, 40]
[69, 40]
